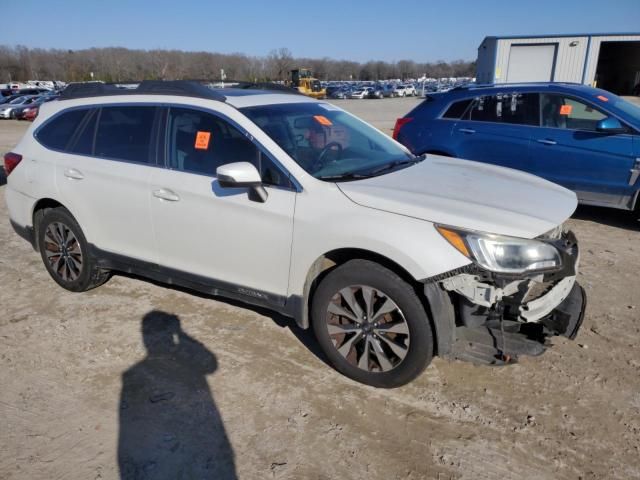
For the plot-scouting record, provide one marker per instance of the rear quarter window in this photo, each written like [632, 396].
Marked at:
[56, 133]
[457, 109]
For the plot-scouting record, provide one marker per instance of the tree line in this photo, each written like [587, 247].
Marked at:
[20, 63]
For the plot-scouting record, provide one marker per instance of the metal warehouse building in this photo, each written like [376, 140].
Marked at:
[609, 61]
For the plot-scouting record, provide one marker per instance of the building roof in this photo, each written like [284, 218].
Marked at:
[562, 35]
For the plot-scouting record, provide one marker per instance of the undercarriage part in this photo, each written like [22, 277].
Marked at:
[488, 346]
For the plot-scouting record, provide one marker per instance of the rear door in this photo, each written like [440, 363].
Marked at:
[103, 177]
[567, 149]
[221, 234]
[497, 129]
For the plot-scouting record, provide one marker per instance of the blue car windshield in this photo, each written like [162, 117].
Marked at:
[328, 142]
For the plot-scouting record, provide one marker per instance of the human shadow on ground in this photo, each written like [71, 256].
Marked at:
[304, 336]
[609, 216]
[170, 427]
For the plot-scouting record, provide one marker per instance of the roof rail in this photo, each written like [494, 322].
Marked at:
[472, 85]
[184, 88]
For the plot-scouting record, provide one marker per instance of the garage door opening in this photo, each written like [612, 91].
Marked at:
[531, 63]
[618, 67]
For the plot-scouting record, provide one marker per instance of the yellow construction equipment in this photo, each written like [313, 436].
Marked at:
[302, 79]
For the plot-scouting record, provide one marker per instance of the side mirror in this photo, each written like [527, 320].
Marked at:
[610, 125]
[242, 175]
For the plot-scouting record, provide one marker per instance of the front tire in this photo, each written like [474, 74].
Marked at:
[371, 325]
[65, 252]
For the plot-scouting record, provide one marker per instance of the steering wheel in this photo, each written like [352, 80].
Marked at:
[333, 148]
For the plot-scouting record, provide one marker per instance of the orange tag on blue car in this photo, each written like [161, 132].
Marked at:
[566, 109]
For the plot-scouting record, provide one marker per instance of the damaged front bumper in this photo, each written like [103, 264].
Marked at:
[501, 316]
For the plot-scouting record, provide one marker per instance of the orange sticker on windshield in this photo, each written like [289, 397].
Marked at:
[202, 140]
[566, 109]
[322, 120]
[602, 98]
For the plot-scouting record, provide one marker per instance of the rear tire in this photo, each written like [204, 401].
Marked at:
[371, 325]
[65, 252]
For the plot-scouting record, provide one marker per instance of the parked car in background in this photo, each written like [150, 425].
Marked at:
[29, 114]
[8, 98]
[583, 138]
[290, 203]
[362, 92]
[7, 110]
[30, 110]
[410, 90]
[381, 91]
[342, 93]
[405, 91]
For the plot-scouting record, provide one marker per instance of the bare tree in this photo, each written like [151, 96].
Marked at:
[19, 63]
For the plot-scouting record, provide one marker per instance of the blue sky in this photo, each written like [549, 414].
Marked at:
[389, 30]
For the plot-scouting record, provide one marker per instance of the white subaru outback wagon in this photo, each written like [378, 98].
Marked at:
[291, 203]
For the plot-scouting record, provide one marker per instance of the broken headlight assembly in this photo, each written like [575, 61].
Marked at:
[503, 254]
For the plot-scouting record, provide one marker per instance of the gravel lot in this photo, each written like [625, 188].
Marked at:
[246, 392]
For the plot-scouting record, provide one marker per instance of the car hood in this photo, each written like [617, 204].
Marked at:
[469, 195]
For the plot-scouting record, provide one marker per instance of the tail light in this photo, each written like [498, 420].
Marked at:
[399, 124]
[11, 161]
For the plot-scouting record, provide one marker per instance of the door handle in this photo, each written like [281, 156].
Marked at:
[467, 130]
[166, 194]
[73, 174]
[546, 141]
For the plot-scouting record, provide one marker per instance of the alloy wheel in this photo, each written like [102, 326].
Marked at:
[63, 251]
[367, 328]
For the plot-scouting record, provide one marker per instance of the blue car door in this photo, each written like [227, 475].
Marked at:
[497, 129]
[569, 150]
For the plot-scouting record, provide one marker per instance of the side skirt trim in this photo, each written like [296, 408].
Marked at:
[206, 285]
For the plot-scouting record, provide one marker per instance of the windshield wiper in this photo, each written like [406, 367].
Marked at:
[344, 176]
[394, 164]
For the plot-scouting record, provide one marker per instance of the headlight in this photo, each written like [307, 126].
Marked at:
[502, 254]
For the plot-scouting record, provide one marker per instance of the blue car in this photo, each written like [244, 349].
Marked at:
[583, 138]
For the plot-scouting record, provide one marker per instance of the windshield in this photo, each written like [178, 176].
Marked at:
[328, 142]
[628, 108]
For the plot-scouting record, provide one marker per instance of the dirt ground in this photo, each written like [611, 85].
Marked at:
[133, 373]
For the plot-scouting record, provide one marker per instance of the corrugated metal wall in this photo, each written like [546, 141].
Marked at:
[569, 60]
[594, 53]
[484, 64]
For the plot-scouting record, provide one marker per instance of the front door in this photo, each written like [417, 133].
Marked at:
[567, 149]
[220, 234]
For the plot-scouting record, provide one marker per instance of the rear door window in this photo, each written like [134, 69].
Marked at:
[124, 133]
[559, 111]
[57, 133]
[513, 108]
[82, 144]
